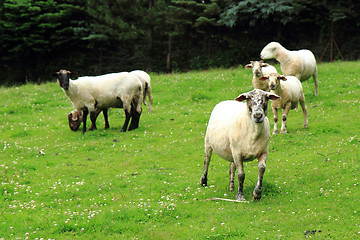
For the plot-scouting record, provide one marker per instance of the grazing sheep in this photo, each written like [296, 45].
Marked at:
[301, 63]
[89, 94]
[290, 90]
[240, 132]
[75, 117]
[259, 69]
[145, 80]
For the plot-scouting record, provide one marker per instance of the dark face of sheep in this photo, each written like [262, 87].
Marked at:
[63, 77]
[257, 101]
[75, 119]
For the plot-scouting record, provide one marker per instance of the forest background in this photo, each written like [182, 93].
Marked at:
[95, 37]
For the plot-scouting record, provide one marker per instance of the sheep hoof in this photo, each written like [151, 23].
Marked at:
[256, 198]
[92, 128]
[203, 181]
[240, 197]
[275, 132]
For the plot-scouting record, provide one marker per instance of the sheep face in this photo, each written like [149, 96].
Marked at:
[274, 80]
[75, 119]
[256, 67]
[63, 77]
[270, 51]
[257, 102]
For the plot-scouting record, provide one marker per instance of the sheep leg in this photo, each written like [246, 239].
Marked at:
[145, 93]
[275, 112]
[261, 170]
[284, 117]
[85, 113]
[303, 106]
[93, 116]
[241, 177]
[105, 112]
[232, 169]
[135, 119]
[208, 153]
[316, 83]
[127, 119]
[150, 99]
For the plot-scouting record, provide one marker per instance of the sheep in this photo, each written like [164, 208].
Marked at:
[301, 63]
[75, 117]
[259, 69]
[239, 132]
[290, 90]
[90, 94]
[145, 80]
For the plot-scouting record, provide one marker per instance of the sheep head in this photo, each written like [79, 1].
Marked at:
[256, 67]
[75, 119]
[257, 101]
[270, 51]
[274, 80]
[63, 77]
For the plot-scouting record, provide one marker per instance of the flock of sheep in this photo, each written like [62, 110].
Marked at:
[238, 132]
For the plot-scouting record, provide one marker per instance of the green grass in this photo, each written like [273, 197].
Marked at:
[145, 184]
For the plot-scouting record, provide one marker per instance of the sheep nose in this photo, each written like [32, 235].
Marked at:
[272, 86]
[258, 115]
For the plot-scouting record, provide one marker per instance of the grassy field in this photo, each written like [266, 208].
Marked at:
[144, 184]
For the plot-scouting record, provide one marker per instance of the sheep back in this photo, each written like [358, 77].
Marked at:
[302, 64]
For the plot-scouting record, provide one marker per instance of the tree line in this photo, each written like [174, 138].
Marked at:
[100, 36]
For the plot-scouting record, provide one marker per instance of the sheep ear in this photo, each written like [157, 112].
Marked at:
[74, 74]
[241, 97]
[282, 77]
[272, 96]
[263, 78]
[264, 64]
[248, 66]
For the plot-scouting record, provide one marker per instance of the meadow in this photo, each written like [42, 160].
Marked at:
[145, 184]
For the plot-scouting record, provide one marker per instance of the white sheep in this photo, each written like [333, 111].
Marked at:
[146, 82]
[259, 69]
[75, 117]
[89, 94]
[301, 63]
[290, 90]
[240, 132]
